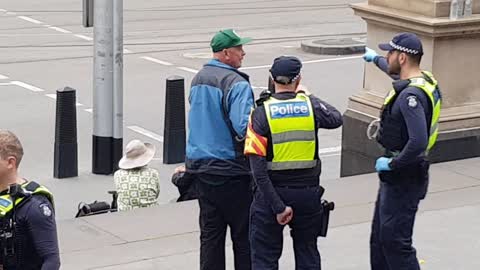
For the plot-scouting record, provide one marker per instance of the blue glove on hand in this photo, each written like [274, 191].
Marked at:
[369, 55]
[382, 164]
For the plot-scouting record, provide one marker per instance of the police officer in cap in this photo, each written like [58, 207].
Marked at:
[28, 234]
[408, 131]
[282, 146]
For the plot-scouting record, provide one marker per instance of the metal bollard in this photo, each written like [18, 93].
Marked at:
[65, 162]
[271, 85]
[174, 131]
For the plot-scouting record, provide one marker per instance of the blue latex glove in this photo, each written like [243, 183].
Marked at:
[369, 55]
[382, 164]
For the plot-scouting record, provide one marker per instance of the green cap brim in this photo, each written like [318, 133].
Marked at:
[242, 41]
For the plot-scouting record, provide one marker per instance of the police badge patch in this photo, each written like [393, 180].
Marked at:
[412, 101]
[46, 210]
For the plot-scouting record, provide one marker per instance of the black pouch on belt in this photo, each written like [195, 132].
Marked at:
[327, 207]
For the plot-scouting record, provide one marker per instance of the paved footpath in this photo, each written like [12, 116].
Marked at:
[447, 232]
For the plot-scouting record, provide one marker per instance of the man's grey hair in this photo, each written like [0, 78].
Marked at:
[10, 146]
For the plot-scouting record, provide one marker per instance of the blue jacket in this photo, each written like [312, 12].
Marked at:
[219, 94]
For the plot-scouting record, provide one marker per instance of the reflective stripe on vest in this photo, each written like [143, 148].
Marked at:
[431, 90]
[292, 125]
[29, 188]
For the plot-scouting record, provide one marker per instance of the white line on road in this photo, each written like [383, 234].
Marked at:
[330, 150]
[188, 69]
[61, 30]
[27, 86]
[155, 60]
[146, 133]
[3, 77]
[333, 59]
[28, 19]
[5, 84]
[2, 10]
[90, 110]
[11, 13]
[309, 62]
[84, 37]
[54, 96]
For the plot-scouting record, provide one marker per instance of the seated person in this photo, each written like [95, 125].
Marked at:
[185, 184]
[137, 184]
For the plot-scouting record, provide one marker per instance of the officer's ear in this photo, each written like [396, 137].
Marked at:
[402, 58]
[11, 162]
[298, 81]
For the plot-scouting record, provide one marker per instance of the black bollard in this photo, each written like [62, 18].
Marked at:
[271, 85]
[174, 134]
[87, 13]
[65, 162]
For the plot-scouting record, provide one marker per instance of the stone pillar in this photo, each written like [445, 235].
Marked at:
[452, 53]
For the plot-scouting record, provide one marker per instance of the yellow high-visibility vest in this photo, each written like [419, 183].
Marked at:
[292, 126]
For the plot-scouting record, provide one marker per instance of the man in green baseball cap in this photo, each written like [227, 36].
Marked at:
[227, 47]
[221, 99]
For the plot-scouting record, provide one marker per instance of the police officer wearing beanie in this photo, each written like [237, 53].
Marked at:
[282, 147]
[408, 131]
[28, 233]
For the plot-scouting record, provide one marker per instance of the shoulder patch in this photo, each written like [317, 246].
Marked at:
[412, 101]
[46, 209]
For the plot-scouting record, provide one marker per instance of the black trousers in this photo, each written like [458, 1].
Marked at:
[224, 205]
[391, 246]
[266, 235]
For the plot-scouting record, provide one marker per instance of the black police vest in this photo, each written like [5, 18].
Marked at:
[393, 133]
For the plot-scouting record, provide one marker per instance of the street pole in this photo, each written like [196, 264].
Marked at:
[117, 82]
[102, 160]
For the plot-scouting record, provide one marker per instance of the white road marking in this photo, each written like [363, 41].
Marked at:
[188, 69]
[11, 13]
[28, 19]
[330, 150]
[332, 155]
[309, 62]
[288, 46]
[155, 60]
[61, 30]
[5, 84]
[84, 37]
[89, 110]
[3, 77]
[146, 133]
[2, 10]
[54, 96]
[333, 59]
[27, 86]
[260, 87]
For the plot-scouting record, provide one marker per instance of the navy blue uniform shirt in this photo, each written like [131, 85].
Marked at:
[326, 116]
[412, 108]
[36, 221]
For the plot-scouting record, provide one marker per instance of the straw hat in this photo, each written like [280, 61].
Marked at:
[138, 154]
